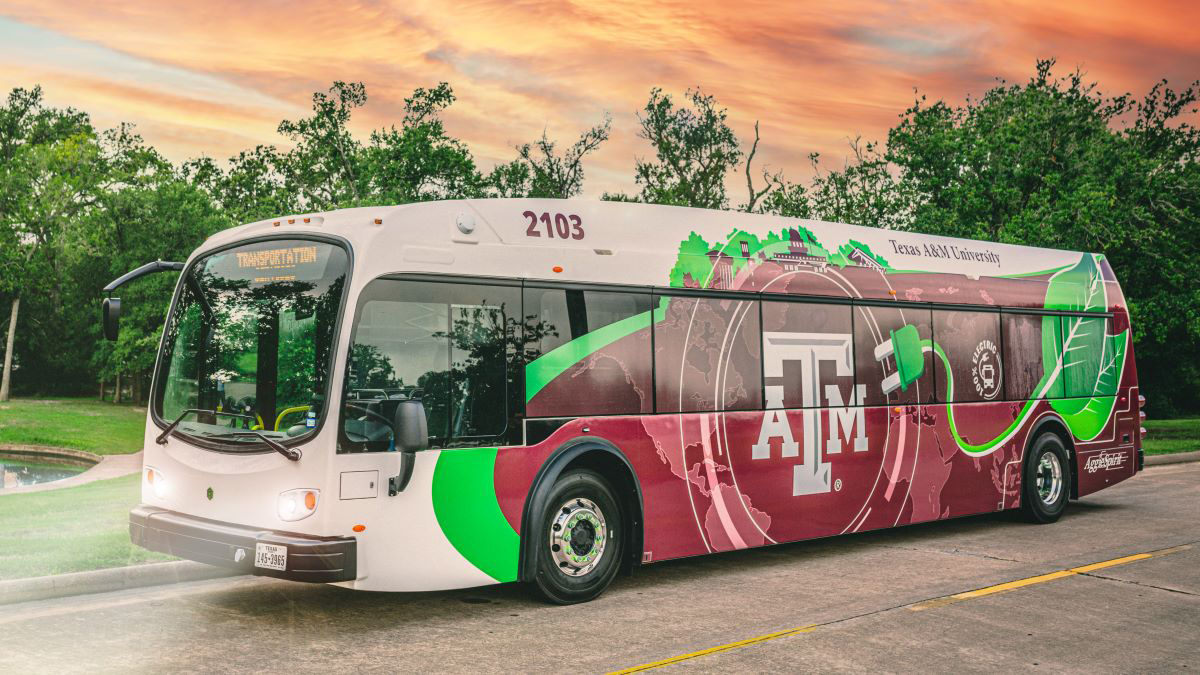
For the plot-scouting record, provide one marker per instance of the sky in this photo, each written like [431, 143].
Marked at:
[215, 77]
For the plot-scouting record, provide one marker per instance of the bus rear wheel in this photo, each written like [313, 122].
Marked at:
[1046, 482]
[578, 539]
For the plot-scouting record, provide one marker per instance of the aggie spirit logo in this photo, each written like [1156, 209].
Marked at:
[985, 370]
[846, 421]
[1104, 461]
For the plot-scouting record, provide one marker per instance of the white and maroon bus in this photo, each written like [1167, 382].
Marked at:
[451, 394]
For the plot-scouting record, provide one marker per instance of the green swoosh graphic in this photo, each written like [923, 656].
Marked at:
[990, 446]
[464, 501]
[540, 371]
[1085, 423]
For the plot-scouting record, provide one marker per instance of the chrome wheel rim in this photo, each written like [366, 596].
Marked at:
[1049, 478]
[578, 537]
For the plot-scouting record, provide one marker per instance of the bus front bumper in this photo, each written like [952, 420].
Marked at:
[313, 559]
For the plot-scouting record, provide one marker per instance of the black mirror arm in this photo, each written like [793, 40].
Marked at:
[148, 268]
[396, 484]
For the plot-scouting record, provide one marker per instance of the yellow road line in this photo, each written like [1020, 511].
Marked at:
[927, 604]
[998, 588]
[1041, 578]
[719, 648]
[1117, 561]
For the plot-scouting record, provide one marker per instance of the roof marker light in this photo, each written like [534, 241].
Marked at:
[379, 221]
[291, 221]
[307, 219]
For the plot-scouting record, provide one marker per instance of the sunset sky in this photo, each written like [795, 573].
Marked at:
[214, 77]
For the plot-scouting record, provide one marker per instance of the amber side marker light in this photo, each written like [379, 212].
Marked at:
[557, 269]
[359, 528]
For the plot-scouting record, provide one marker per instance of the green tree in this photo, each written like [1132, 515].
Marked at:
[253, 188]
[419, 161]
[558, 177]
[863, 192]
[694, 151]
[325, 166]
[1055, 163]
[27, 128]
[145, 210]
[53, 182]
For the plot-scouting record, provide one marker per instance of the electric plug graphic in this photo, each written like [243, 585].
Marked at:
[905, 347]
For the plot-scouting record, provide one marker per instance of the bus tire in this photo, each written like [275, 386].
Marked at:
[577, 538]
[1046, 482]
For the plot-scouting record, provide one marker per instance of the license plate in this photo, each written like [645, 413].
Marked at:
[270, 556]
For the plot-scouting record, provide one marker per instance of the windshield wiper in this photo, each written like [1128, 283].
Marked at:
[291, 453]
[162, 438]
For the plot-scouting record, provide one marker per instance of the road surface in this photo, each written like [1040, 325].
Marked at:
[875, 601]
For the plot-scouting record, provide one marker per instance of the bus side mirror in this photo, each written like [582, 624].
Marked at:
[412, 435]
[412, 428]
[111, 310]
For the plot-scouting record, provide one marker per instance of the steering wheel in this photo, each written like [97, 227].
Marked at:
[246, 405]
[369, 413]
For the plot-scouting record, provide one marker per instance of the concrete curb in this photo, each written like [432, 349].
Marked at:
[1173, 458]
[103, 581]
[49, 453]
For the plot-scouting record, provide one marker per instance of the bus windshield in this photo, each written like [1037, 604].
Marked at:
[247, 347]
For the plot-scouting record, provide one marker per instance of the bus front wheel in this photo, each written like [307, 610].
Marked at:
[577, 538]
[1047, 479]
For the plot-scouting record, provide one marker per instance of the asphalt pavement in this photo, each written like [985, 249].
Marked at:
[924, 598]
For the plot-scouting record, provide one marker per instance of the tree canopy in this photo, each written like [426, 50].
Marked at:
[1051, 162]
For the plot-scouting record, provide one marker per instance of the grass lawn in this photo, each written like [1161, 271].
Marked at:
[77, 423]
[70, 530]
[1166, 436]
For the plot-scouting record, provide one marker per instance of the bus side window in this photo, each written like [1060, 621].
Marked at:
[449, 345]
[802, 335]
[586, 352]
[706, 355]
[875, 325]
[971, 342]
[1023, 357]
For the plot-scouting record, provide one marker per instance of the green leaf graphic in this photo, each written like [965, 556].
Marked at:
[1088, 367]
[1080, 359]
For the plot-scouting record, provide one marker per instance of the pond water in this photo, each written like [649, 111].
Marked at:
[17, 472]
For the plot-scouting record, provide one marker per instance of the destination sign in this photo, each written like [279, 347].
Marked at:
[281, 264]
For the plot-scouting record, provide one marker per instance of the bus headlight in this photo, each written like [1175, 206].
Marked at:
[157, 481]
[298, 504]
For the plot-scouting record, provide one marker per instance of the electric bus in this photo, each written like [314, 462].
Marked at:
[451, 394]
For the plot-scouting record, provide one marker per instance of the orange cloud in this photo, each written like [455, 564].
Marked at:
[814, 74]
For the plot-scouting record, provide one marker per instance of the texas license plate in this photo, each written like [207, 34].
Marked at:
[270, 556]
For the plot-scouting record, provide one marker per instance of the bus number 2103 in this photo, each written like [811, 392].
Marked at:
[561, 225]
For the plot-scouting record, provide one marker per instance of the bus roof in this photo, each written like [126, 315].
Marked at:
[670, 246]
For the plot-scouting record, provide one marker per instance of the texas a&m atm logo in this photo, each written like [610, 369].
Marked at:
[808, 350]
